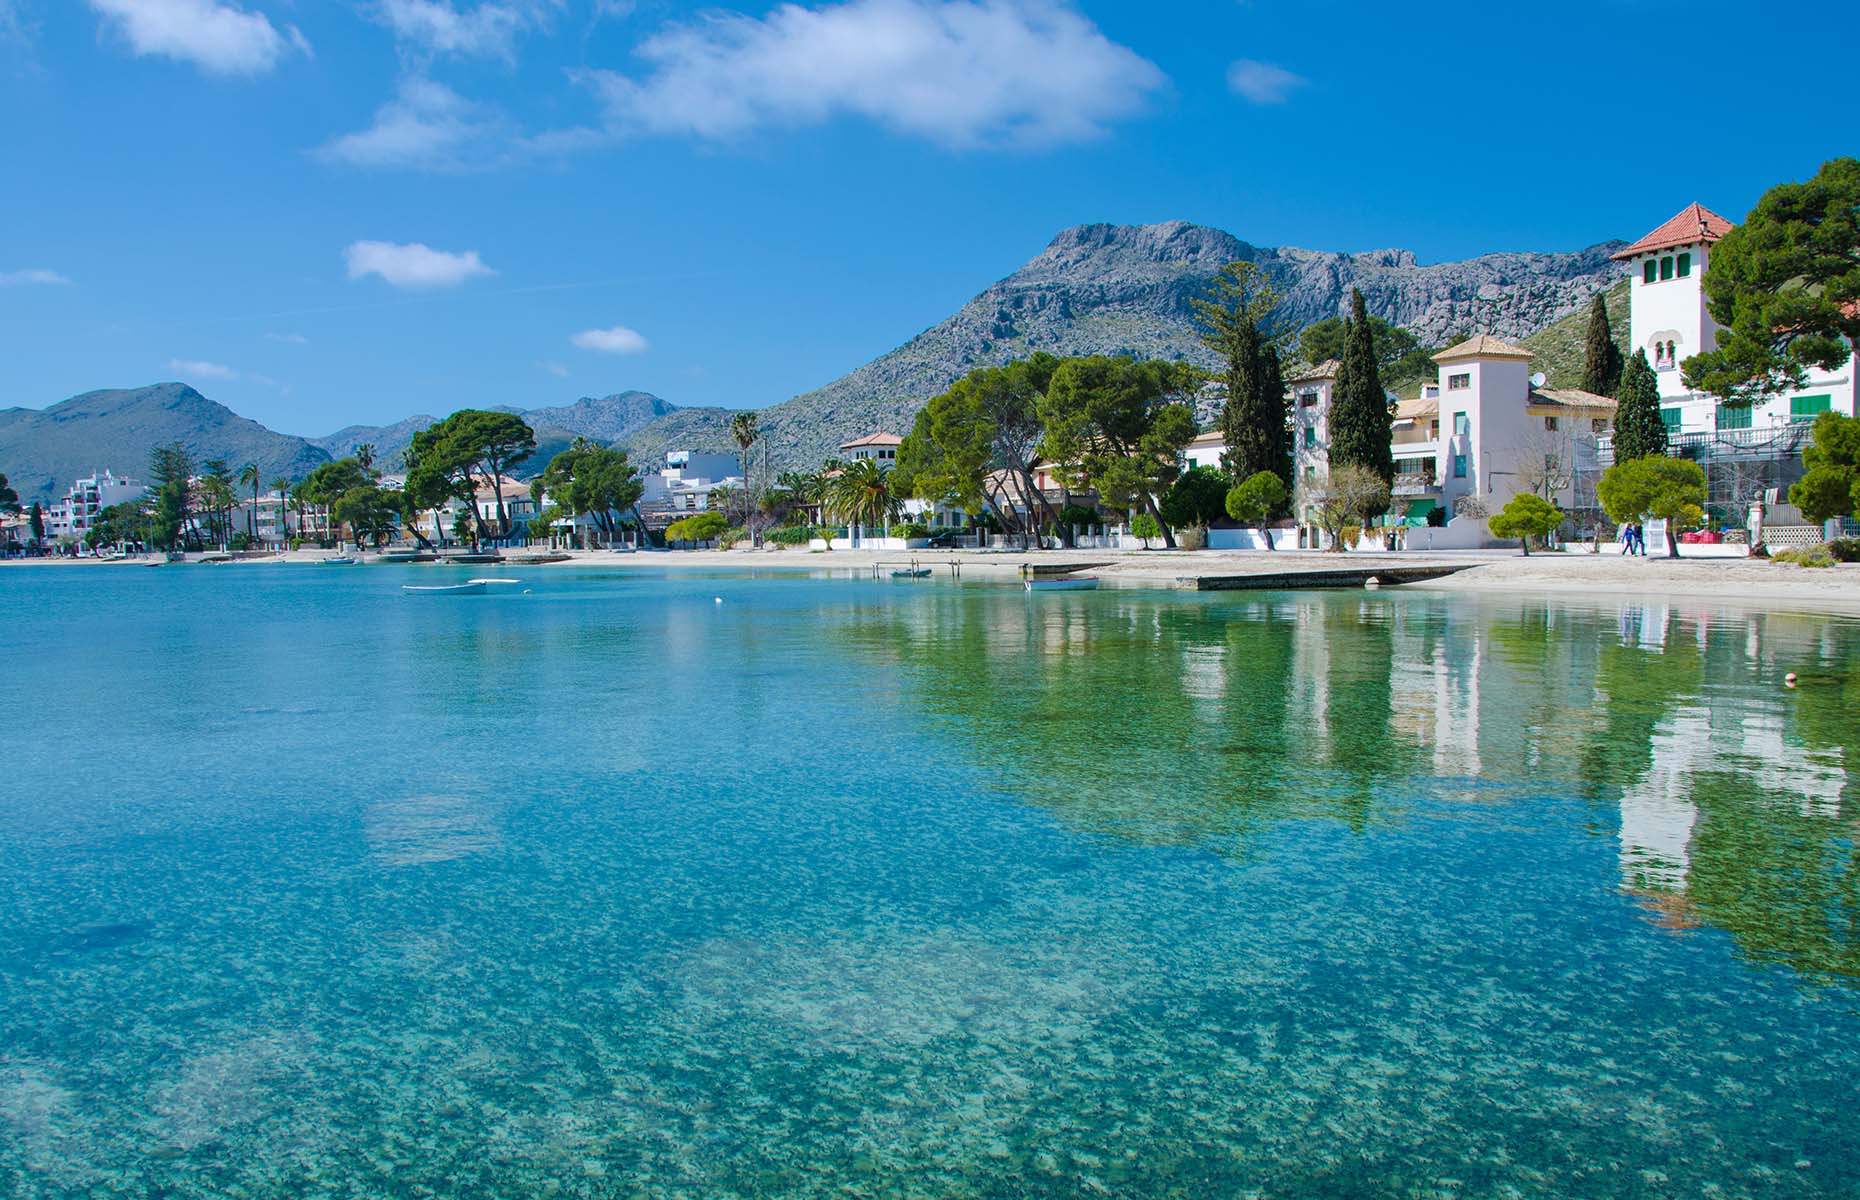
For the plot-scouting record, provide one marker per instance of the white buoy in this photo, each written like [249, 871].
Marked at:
[718, 599]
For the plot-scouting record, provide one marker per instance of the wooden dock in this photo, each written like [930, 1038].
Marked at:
[1325, 577]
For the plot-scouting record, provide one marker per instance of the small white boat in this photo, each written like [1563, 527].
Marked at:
[444, 589]
[495, 581]
[1064, 583]
[341, 560]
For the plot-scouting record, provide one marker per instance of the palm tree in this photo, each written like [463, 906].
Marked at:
[282, 486]
[249, 477]
[861, 495]
[743, 430]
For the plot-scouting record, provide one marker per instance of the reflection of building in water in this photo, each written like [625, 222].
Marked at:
[1310, 691]
[1659, 815]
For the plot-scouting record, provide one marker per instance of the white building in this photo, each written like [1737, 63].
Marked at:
[74, 514]
[1670, 323]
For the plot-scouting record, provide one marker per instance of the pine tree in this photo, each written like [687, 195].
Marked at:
[1601, 360]
[1639, 431]
[1362, 427]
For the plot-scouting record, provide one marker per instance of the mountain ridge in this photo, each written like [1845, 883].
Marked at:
[1094, 289]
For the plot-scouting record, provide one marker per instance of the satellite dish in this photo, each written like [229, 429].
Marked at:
[1537, 379]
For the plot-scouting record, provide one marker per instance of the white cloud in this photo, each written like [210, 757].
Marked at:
[412, 265]
[31, 276]
[617, 340]
[202, 370]
[426, 125]
[289, 339]
[958, 72]
[1262, 82]
[488, 29]
[217, 37]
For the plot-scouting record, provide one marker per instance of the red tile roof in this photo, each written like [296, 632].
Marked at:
[873, 439]
[1694, 223]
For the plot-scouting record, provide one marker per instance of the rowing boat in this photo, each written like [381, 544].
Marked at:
[911, 573]
[445, 589]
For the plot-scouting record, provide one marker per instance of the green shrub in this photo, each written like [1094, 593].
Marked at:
[1812, 556]
[911, 529]
[1077, 515]
[791, 535]
[731, 537]
[1845, 549]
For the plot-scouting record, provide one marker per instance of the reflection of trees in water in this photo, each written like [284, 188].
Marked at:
[1162, 723]
[1195, 723]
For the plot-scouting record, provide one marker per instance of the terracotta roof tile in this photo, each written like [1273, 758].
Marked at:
[1483, 345]
[1325, 370]
[881, 438]
[1694, 223]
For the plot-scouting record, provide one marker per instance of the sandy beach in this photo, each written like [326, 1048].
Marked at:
[1755, 581]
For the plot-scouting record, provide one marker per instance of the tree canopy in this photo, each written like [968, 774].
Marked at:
[9, 499]
[1831, 488]
[706, 526]
[1525, 516]
[974, 440]
[1254, 499]
[861, 494]
[1672, 489]
[1785, 287]
[1639, 429]
[471, 448]
[1345, 495]
[1362, 424]
[1199, 497]
[593, 481]
[1120, 426]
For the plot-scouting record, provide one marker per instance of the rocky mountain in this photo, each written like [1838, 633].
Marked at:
[45, 449]
[1106, 289]
[602, 419]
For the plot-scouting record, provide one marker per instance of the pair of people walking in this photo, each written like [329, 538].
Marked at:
[1633, 540]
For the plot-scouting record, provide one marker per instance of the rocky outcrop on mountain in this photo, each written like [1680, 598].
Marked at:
[1115, 289]
[45, 449]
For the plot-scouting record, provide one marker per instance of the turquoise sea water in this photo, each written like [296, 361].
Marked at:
[868, 888]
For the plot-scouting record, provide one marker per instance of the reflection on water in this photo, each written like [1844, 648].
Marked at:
[852, 888]
[1206, 724]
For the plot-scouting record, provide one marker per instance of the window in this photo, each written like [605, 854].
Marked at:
[1462, 424]
[1670, 418]
[1685, 265]
[1310, 436]
[1651, 271]
[1550, 424]
[1666, 267]
[1433, 429]
[1807, 408]
[1665, 354]
[1459, 466]
[1598, 425]
[1734, 416]
[1307, 399]
[1460, 382]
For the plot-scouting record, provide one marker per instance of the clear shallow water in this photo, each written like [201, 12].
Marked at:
[855, 888]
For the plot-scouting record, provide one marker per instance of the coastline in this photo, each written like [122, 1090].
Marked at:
[1832, 590]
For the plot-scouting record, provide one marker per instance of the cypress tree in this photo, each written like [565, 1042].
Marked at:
[1273, 403]
[1362, 428]
[1243, 440]
[1601, 358]
[1639, 431]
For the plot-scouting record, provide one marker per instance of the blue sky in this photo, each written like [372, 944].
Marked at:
[329, 211]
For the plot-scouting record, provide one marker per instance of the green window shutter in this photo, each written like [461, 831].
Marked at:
[1459, 466]
[1807, 408]
[1666, 267]
[1310, 435]
[1670, 416]
[1685, 265]
[1651, 272]
[1734, 416]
